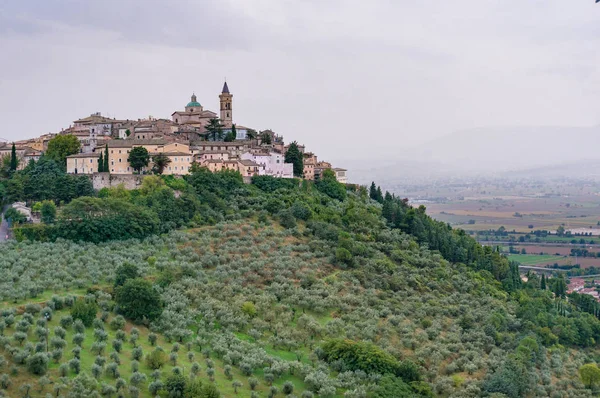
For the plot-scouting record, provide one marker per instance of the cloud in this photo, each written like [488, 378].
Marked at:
[351, 79]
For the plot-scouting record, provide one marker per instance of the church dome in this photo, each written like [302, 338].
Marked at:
[193, 102]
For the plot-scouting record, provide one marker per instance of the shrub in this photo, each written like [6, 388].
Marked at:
[137, 354]
[369, 358]
[138, 300]
[60, 332]
[287, 219]
[78, 326]
[117, 345]
[155, 387]
[301, 211]
[288, 387]
[156, 359]
[343, 256]
[249, 309]
[137, 378]
[175, 385]
[253, 382]
[37, 364]
[117, 323]
[85, 312]
[75, 365]
[78, 339]
[210, 391]
[125, 272]
[152, 337]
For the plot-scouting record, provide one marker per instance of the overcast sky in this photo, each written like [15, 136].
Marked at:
[347, 78]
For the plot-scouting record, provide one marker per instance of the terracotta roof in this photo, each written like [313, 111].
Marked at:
[176, 153]
[85, 155]
[221, 143]
[131, 143]
[246, 162]
[209, 152]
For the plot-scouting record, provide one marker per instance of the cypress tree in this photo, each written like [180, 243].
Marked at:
[13, 158]
[543, 283]
[379, 195]
[373, 191]
[101, 163]
[105, 167]
[294, 156]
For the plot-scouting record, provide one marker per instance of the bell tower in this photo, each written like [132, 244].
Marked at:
[226, 109]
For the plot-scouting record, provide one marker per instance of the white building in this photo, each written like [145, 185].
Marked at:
[340, 175]
[271, 164]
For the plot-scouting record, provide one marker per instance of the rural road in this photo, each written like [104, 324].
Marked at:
[563, 244]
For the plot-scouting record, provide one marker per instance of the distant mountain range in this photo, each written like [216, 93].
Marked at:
[522, 151]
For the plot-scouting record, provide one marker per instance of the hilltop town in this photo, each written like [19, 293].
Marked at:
[192, 135]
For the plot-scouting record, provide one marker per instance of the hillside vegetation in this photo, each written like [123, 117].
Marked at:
[279, 288]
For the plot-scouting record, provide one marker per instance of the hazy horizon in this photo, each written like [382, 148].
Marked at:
[351, 80]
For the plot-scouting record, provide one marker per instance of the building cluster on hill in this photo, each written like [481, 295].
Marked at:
[194, 135]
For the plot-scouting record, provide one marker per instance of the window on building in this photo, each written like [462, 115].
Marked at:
[112, 170]
[119, 151]
[128, 169]
[119, 160]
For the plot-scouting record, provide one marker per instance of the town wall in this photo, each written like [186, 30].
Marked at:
[107, 180]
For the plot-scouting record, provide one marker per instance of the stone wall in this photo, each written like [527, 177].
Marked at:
[107, 180]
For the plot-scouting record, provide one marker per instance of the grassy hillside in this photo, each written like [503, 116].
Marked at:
[297, 290]
[408, 301]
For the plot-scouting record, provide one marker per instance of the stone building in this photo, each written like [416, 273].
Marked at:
[24, 154]
[226, 102]
[271, 163]
[194, 114]
[118, 152]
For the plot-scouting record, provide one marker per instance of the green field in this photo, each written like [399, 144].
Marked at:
[534, 259]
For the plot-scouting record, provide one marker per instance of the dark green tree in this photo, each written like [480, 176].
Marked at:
[48, 211]
[15, 216]
[265, 138]
[160, 162]
[329, 185]
[373, 191]
[251, 134]
[62, 146]
[14, 162]
[105, 168]
[101, 163]
[379, 195]
[175, 385]
[543, 283]
[125, 272]
[84, 311]
[214, 129]
[294, 156]
[37, 364]
[138, 158]
[138, 300]
[231, 135]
